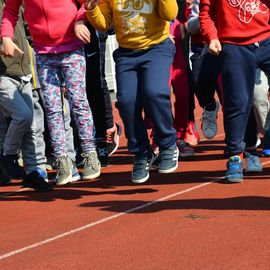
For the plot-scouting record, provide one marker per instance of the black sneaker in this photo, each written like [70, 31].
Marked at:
[36, 181]
[102, 154]
[12, 167]
[168, 159]
[4, 177]
[113, 139]
[141, 167]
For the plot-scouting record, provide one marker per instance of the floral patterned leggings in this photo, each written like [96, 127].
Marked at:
[68, 68]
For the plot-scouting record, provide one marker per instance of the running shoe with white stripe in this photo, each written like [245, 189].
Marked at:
[168, 159]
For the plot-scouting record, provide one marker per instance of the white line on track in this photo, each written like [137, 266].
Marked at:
[106, 219]
[12, 192]
[103, 220]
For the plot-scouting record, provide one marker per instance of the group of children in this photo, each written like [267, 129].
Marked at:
[229, 44]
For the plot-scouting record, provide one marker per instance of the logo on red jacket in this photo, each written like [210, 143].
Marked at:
[247, 9]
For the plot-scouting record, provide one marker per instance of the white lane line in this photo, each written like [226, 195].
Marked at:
[103, 220]
[12, 192]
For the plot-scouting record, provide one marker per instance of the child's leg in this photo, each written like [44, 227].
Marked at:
[51, 94]
[69, 131]
[261, 101]
[238, 76]
[15, 101]
[96, 92]
[50, 80]
[155, 92]
[129, 101]
[73, 71]
[33, 146]
[179, 81]
[33, 151]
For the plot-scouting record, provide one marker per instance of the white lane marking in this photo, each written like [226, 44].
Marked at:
[103, 220]
[12, 192]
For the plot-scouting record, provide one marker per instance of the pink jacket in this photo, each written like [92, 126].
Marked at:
[51, 22]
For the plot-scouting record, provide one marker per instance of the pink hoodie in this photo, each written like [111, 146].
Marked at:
[51, 23]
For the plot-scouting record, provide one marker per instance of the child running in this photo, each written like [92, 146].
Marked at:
[239, 32]
[143, 62]
[58, 33]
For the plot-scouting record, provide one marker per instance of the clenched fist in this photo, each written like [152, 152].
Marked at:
[91, 4]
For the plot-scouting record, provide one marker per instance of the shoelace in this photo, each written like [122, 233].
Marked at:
[253, 158]
[102, 152]
[209, 119]
[88, 159]
[60, 164]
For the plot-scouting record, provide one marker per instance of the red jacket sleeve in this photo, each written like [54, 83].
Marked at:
[10, 18]
[207, 20]
[81, 12]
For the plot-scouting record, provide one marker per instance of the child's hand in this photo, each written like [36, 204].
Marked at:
[8, 47]
[214, 47]
[82, 32]
[91, 4]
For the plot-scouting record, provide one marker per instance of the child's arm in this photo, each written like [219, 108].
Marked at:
[167, 9]
[208, 29]
[99, 15]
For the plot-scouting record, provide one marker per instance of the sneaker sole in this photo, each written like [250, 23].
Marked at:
[253, 170]
[92, 176]
[75, 178]
[186, 155]
[26, 185]
[169, 170]
[140, 181]
[67, 180]
[119, 131]
[233, 180]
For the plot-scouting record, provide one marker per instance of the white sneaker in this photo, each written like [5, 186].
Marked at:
[209, 122]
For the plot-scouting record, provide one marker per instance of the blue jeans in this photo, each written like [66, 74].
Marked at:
[142, 83]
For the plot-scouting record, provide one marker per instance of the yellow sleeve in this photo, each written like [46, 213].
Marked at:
[168, 9]
[101, 16]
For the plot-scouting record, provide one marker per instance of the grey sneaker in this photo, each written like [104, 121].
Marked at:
[64, 170]
[91, 166]
[209, 122]
[253, 163]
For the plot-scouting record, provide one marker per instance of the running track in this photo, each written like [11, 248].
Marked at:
[188, 219]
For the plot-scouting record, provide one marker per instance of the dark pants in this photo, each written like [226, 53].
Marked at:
[238, 75]
[96, 86]
[205, 71]
[142, 83]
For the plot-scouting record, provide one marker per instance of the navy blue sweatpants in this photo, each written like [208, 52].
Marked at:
[238, 76]
[142, 84]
